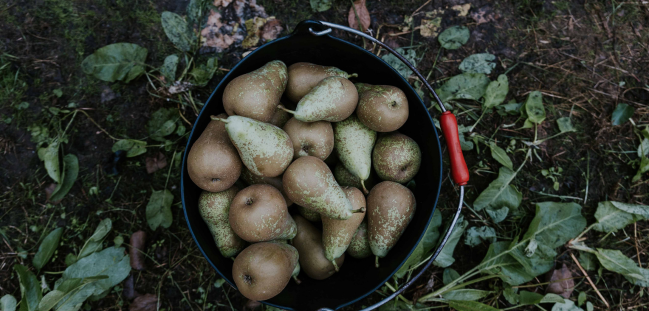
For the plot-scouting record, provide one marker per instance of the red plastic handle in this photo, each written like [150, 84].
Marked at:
[459, 169]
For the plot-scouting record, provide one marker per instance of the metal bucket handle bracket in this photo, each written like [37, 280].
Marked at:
[448, 123]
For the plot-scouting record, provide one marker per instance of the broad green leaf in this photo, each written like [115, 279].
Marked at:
[162, 123]
[47, 248]
[500, 194]
[552, 298]
[427, 243]
[498, 215]
[568, 305]
[50, 155]
[498, 261]
[589, 306]
[464, 86]
[195, 10]
[30, 289]
[203, 74]
[479, 63]
[454, 37]
[320, 5]
[636, 209]
[116, 62]
[69, 176]
[565, 125]
[587, 260]
[168, 69]
[449, 276]
[496, 92]
[643, 149]
[466, 294]
[534, 107]
[464, 144]
[180, 130]
[475, 235]
[500, 155]
[445, 257]
[621, 114]
[644, 167]
[511, 295]
[158, 210]
[398, 65]
[529, 298]
[70, 292]
[509, 109]
[96, 240]
[132, 147]
[614, 260]
[177, 31]
[8, 303]
[581, 298]
[470, 306]
[610, 218]
[395, 305]
[111, 262]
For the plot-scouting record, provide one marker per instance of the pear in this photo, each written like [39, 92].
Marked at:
[310, 215]
[333, 99]
[308, 243]
[265, 149]
[258, 213]
[354, 142]
[347, 179]
[302, 77]
[312, 138]
[390, 208]
[337, 234]
[383, 108]
[214, 207]
[252, 179]
[213, 163]
[308, 182]
[262, 270]
[280, 117]
[396, 157]
[359, 248]
[256, 94]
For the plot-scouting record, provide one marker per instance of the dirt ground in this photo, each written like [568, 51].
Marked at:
[585, 57]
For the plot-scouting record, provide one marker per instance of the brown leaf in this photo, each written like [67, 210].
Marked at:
[561, 282]
[223, 3]
[215, 37]
[129, 291]
[483, 15]
[48, 192]
[363, 15]
[155, 163]
[429, 287]
[251, 305]
[138, 239]
[147, 302]
[271, 30]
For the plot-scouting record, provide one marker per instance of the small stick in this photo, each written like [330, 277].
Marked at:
[363, 185]
[360, 210]
[335, 265]
[589, 280]
[215, 118]
[284, 108]
[376, 261]
[635, 235]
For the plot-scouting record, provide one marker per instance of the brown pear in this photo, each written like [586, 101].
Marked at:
[258, 213]
[280, 117]
[310, 215]
[396, 157]
[214, 207]
[390, 208]
[302, 77]
[347, 179]
[383, 108]
[262, 270]
[252, 179]
[213, 163]
[308, 243]
[310, 138]
[336, 233]
[360, 246]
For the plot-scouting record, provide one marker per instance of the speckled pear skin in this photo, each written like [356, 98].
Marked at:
[308, 181]
[213, 163]
[383, 108]
[252, 179]
[308, 243]
[310, 215]
[347, 179]
[333, 99]
[256, 94]
[390, 208]
[280, 117]
[302, 77]
[258, 213]
[214, 207]
[262, 270]
[310, 138]
[266, 150]
[337, 234]
[353, 142]
[396, 157]
[360, 246]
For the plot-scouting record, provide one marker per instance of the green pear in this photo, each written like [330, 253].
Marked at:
[214, 207]
[353, 142]
[396, 157]
[337, 234]
[308, 243]
[303, 77]
[310, 215]
[347, 179]
[360, 245]
[266, 150]
[333, 99]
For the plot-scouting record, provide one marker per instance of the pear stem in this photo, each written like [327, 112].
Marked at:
[363, 185]
[353, 75]
[360, 210]
[376, 262]
[215, 118]
[284, 108]
[335, 265]
[297, 280]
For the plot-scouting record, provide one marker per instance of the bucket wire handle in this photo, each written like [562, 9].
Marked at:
[448, 123]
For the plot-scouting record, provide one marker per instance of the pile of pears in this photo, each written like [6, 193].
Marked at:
[314, 152]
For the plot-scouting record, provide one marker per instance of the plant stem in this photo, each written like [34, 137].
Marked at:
[476, 122]
[170, 166]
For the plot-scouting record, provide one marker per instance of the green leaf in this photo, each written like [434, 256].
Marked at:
[464, 144]
[610, 218]
[445, 257]
[500, 193]
[320, 5]
[158, 211]
[47, 248]
[568, 305]
[195, 10]
[470, 306]
[636, 209]
[534, 107]
[466, 294]
[475, 235]
[58, 92]
[501, 156]
[614, 260]
[552, 298]
[50, 155]
[177, 31]
[498, 215]
[496, 92]
[565, 125]
[643, 149]
[398, 65]
[162, 123]
[581, 298]
[168, 69]
[203, 74]
[111, 262]
[8, 303]
[116, 62]
[587, 260]
[498, 261]
[70, 173]
[71, 292]
[621, 114]
[509, 108]
[529, 298]
[96, 240]
[395, 305]
[644, 167]
[427, 243]
[449, 276]
[132, 147]
[464, 86]
[511, 295]
[454, 37]
[30, 289]
[479, 63]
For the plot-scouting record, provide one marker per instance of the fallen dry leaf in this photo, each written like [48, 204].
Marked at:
[138, 240]
[129, 291]
[48, 193]
[179, 87]
[363, 15]
[561, 282]
[147, 302]
[483, 15]
[222, 3]
[430, 27]
[155, 163]
[391, 41]
[272, 29]
[462, 10]
[253, 26]
[218, 35]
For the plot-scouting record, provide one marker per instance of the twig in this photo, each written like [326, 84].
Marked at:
[589, 280]
[421, 7]
[635, 235]
[587, 175]
[100, 128]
